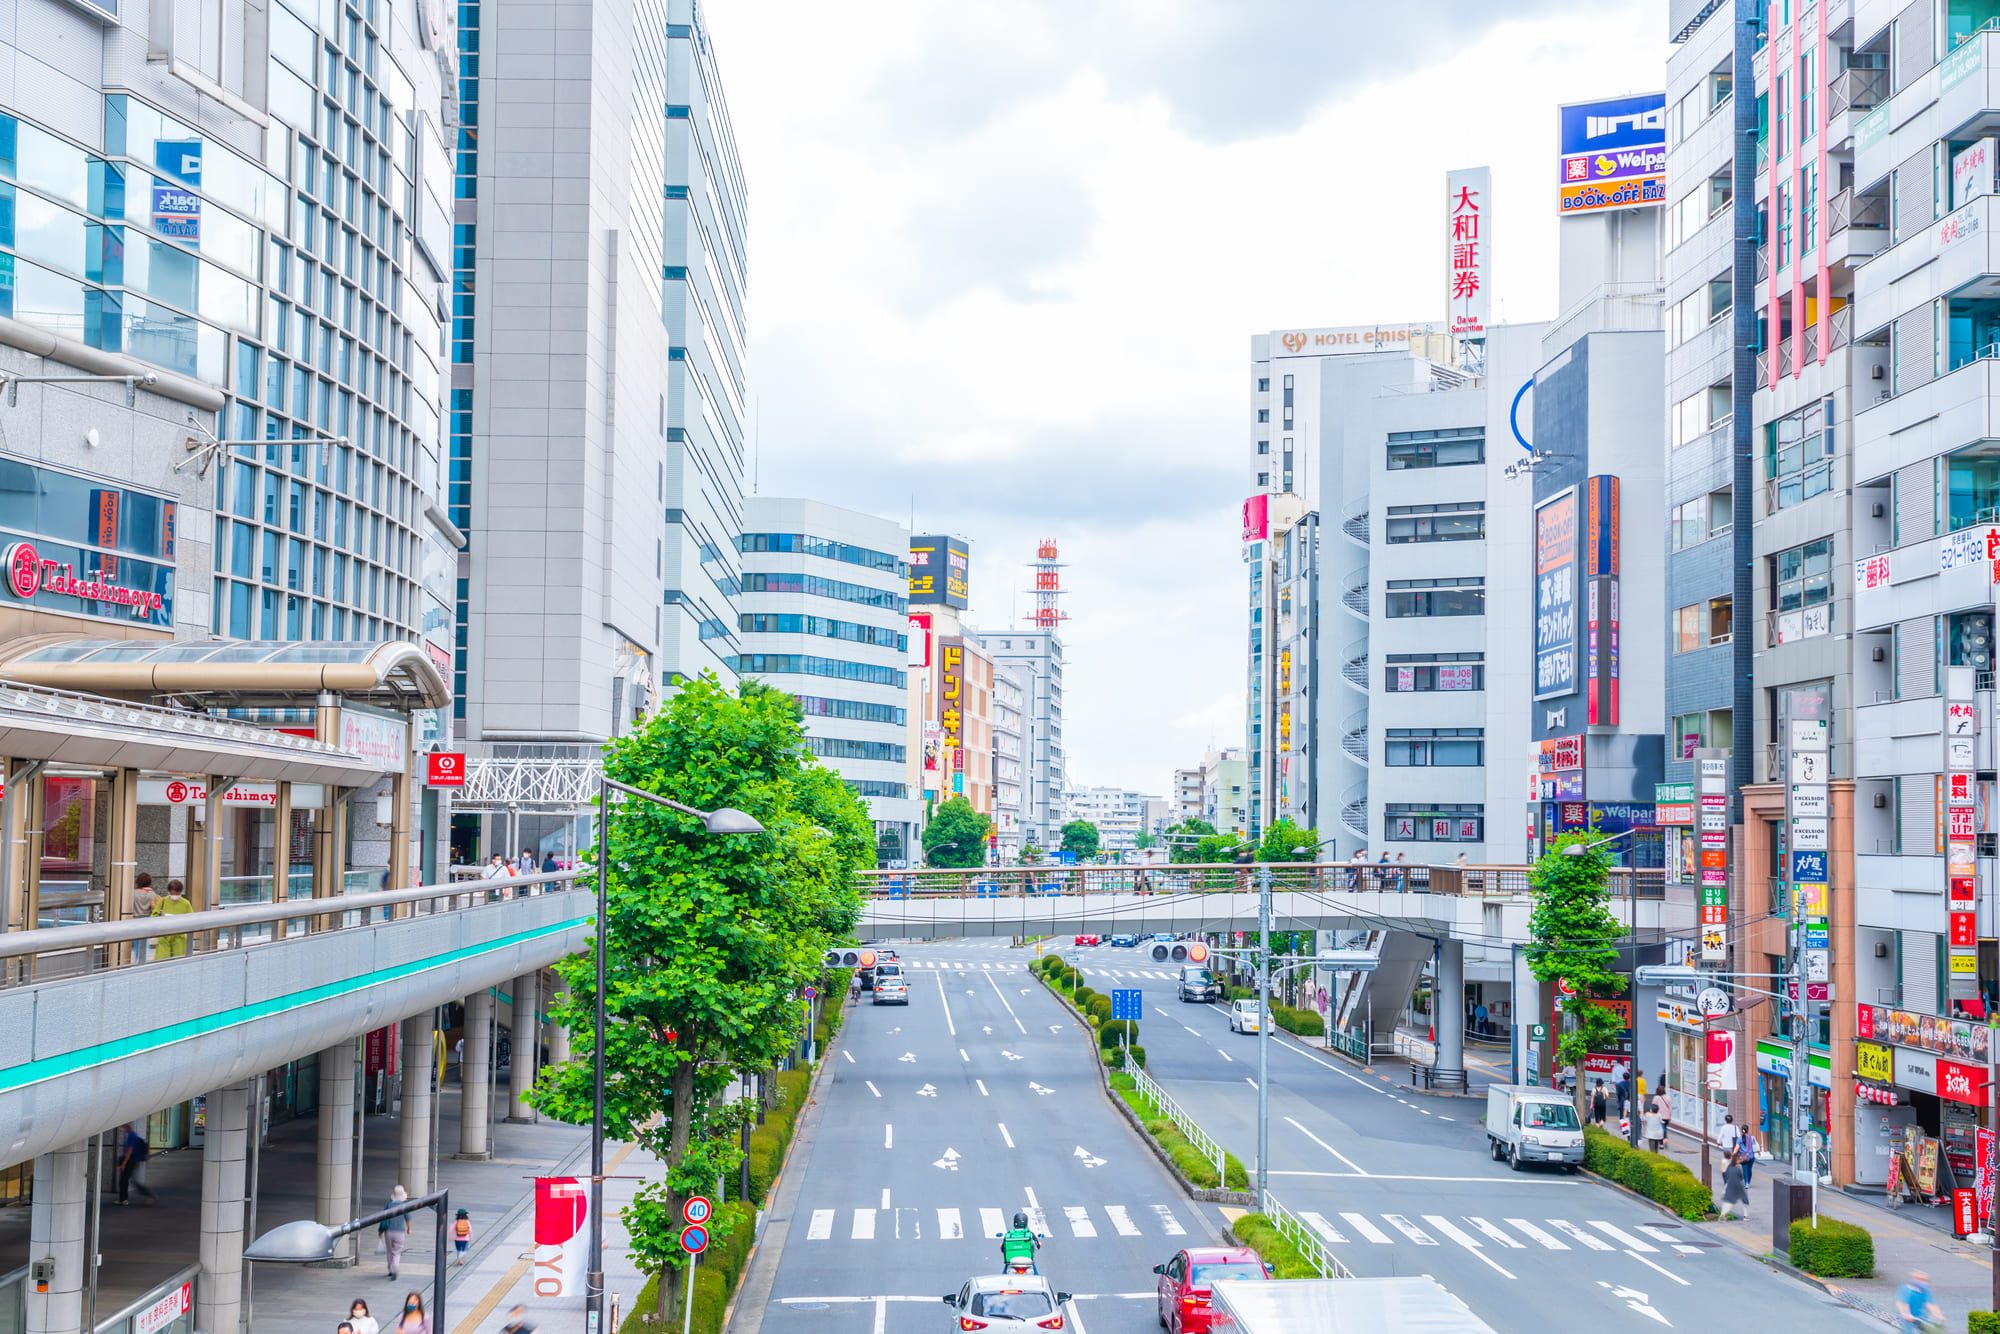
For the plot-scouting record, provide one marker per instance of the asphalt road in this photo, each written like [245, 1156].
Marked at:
[936, 1123]
[1402, 1183]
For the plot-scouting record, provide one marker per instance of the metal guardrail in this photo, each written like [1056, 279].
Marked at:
[1144, 1084]
[1354, 1044]
[1311, 1245]
[1014, 882]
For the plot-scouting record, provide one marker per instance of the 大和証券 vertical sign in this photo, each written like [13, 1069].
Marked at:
[1468, 198]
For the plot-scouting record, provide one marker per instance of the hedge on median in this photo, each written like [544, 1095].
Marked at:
[1305, 1023]
[1982, 1322]
[1653, 1175]
[1833, 1249]
[1273, 1247]
[1193, 1165]
[769, 1140]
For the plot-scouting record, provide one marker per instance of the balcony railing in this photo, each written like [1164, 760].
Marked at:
[1842, 326]
[1763, 263]
[1812, 344]
[1856, 90]
[1846, 210]
[1764, 369]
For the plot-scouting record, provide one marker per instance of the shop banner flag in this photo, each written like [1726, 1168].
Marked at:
[1983, 1147]
[562, 1238]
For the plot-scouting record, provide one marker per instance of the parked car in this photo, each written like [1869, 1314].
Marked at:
[1183, 1288]
[1124, 942]
[1243, 1016]
[1089, 938]
[1198, 984]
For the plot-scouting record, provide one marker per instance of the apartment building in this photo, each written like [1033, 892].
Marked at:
[1187, 795]
[1119, 814]
[1010, 767]
[1225, 790]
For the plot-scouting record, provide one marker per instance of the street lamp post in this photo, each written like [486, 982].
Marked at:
[726, 820]
[309, 1241]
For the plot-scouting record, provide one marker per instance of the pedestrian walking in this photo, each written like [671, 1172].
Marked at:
[1355, 865]
[1734, 1191]
[1599, 1103]
[173, 905]
[1402, 871]
[1666, 1107]
[133, 1151]
[413, 1320]
[461, 1234]
[1623, 1088]
[1916, 1312]
[393, 1234]
[1731, 1132]
[359, 1319]
[143, 899]
[518, 1322]
[526, 866]
[550, 865]
[1750, 1148]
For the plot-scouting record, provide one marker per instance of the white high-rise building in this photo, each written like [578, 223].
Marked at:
[1037, 656]
[1120, 815]
[1010, 762]
[824, 618]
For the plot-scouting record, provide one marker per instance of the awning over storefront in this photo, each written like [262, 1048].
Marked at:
[225, 673]
[80, 730]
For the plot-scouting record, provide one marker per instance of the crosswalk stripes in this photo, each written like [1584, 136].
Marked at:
[1625, 1239]
[1361, 1224]
[1121, 1220]
[1661, 1234]
[1168, 1223]
[990, 1223]
[1409, 1229]
[1327, 1231]
[821, 1227]
[864, 1225]
[1571, 1230]
[950, 1228]
[1528, 1229]
[1079, 1221]
[1497, 1234]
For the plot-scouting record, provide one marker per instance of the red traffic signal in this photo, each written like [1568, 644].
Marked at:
[1197, 953]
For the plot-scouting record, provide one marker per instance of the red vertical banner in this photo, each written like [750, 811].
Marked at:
[562, 1240]
[1963, 1212]
[1983, 1147]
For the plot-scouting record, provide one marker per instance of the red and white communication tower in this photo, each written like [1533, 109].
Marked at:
[1048, 589]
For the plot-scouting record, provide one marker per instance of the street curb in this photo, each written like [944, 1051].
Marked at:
[1241, 1198]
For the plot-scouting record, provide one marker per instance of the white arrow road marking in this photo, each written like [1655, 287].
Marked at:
[1121, 1220]
[1079, 1220]
[909, 1056]
[1168, 1223]
[1661, 1234]
[1534, 1233]
[949, 1226]
[987, 1029]
[897, 1029]
[889, 1137]
[864, 1225]
[1089, 1159]
[1410, 1230]
[1037, 1088]
[821, 1227]
[1055, 1028]
[871, 1087]
[1625, 1239]
[990, 1224]
[1496, 1233]
[1636, 1300]
[927, 1091]
[1326, 1230]
[1011, 1056]
[1569, 1229]
[1454, 1232]
[949, 1162]
[1003, 1133]
[1360, 1223]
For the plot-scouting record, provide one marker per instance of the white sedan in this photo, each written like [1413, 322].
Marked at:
[1243, 1016]
[1007, 1301]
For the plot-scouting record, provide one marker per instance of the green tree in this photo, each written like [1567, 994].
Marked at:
[1143, 840]
[1217, 848]
[708, 939]
[1573, 936]
[1282, 838]
[1080, 837]
[956, 835]
[1031, 855]
[1182, 838]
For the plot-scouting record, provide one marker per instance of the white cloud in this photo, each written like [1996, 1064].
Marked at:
[1006, 260]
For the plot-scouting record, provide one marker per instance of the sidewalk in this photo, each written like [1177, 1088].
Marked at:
[1912, 1237]
[146, 1244]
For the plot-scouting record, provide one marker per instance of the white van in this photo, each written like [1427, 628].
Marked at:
[1526, 1124]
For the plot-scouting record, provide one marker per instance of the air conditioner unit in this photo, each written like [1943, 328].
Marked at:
[1881, 801]
[1878, 654]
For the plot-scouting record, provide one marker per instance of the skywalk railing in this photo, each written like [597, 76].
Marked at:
[1015, 882]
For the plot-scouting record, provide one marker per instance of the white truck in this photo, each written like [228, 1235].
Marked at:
[1526, 1124]
[1340, 1306]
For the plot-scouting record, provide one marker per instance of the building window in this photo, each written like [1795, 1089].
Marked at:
[1973, 484]
[1462, 522]
[802, 664]
[1448, 822]
[1263, 384]
[1693, 522]
[1699, 626]
[1802, 592]
[1434, 747]
[1404, 673]
[1692, 731]
[1436, 449]
[1263, 479]
[1263, 414]
[1798, 456]
[1263, 446]
[817, 706]
[842, 748]
[805, 544]
[1699, 413]
[840, 590]
[788, 623]
[1698, 309]
[1436, 597]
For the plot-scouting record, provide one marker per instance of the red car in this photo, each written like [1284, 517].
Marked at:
[1090, 939]
[1184, 1283]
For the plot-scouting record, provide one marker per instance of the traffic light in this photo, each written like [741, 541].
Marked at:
[1197, 953]
[849, 959]
[1180, 952]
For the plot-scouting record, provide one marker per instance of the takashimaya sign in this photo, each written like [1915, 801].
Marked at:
[29, 573]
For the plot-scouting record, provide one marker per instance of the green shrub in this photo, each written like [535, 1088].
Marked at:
[1834, 1249]
[1100, 1008]
[1683, 1194]
[728, 1255]
[1261, 1235]
[1982, 1322]
[1603, 1151]
[1635, 1173]
[1122, 1083]
[1114, 1031]
[1305, 1023]
[1653, 1175]
[1136, 1056]
[765, 1150]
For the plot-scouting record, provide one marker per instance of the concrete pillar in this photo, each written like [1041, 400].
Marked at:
[527, 1034]
[414, 1120]
[558, 1035]
[475, 1078]
[219, 1299]
[334, 1183]
[1449, 1007]
[55, 1231]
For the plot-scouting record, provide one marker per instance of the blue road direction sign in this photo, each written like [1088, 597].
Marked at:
[1128, 1003]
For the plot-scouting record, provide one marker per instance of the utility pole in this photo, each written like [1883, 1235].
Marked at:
[1263, 1031]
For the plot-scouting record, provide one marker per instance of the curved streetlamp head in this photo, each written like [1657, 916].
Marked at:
[729, 820]
[304, 1241]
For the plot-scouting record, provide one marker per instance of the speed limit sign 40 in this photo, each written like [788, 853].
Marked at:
[697, 1210]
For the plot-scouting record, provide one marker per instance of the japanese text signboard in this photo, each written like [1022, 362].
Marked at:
[1612, 154]
[1468, 229]
[1555, 597]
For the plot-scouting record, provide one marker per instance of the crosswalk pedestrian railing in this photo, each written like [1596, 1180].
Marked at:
[1354, 1044]
[1311, 1245]
[1204, 1144]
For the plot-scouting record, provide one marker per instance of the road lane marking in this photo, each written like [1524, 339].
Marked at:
[990, 1223]
[885, 1197]
[848, 1054]
[1533, 1233]
[1326, 1230]
[1328, 1147]
[1623, 1238]
[962, 1056]
[1405, 1176]
[1454, 1232]
[948, 1023]
[888, 1136]
[1661, 1234]
[1079, 1220]
[821, 1226]
[1003, 1000]
[1251, 1082]
[881, 1315]
[1168, 1223]
[1662, 1268]
[1004, 1135]
[864, 1225]
[982, 1088]
[1361, 1224]
[1121, 1220]
[1496, 1233]
[1195, 1031]
[1227, 1057]
[871, 1087]
[1408, 1229]
[1569, 1229]
[950, 1228]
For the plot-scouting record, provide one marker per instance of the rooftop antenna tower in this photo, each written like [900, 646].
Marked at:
[1048, 589]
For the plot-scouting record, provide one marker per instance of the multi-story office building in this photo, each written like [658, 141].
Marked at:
[1286, 580]
[1225, 790]
[1423, 736]
[599, 380]
[823, 617]
[964, 707]
[1010, 702]
[1284, 450]
[1187, 795]
[1037, 655]
[1120, 815]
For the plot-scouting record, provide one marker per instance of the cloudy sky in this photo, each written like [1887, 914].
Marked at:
[1006, 259]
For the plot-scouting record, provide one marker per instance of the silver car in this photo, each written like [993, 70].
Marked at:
[1008, 1301]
